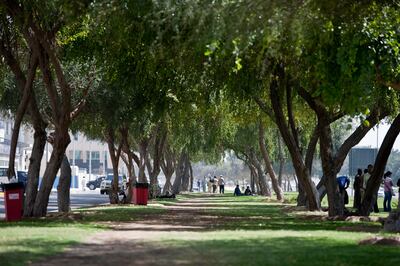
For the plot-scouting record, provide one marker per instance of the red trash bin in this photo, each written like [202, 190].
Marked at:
[13, 200]
[140, 193]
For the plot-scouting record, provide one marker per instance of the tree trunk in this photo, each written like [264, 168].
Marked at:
[132, 177]
[167, 185]
[142, 165]
[301, 196]
[379, 166]
[185, 186]
[256, 182]
[264, 187]
[64, 185]
[252, 180]
[335, 204]
[281, 160]
[128, 160]
[61, 141]
[321, 188]
[302, 172]
[22, 107]
[180, 171]
[168, 163]
[191, 176]
[35, 160]
[268, 164]
[114, 156]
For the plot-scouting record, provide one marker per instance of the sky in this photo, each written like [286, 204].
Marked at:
[375, 137]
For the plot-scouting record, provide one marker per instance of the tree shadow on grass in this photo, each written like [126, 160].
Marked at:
[20, 252]
[292, 251]
[254, 250]
[88, 217]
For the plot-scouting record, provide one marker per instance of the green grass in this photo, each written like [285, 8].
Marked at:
[246, 231]
[32, 239]
[22, 244]
[265, 233]
[285, 248]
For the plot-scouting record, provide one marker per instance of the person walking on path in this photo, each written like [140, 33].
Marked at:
[221, 183]
[198, 185]
[214, 184]
[209, 185]
[358, 182]
[388, 189]
[237, 191]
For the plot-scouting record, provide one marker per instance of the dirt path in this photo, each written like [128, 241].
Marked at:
[138, 243]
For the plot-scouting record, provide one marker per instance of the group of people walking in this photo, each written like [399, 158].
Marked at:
[213, 183]
[360, 187]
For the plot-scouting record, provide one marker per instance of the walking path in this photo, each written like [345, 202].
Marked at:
[138, 243]
[206, 229]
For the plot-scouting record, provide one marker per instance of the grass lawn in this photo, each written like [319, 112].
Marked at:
[29, 240]
[246, 230]
[266, 234]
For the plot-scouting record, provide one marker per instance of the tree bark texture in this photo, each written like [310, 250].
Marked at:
[32, 184]
[181, 174]
[268, 164]
[264, 187]
[21, 110]
[157, 144]
[302, 172]
[64, 185]
[114, 156]
[61, 141]
[281, 159]
[168, 164]
[335, 205]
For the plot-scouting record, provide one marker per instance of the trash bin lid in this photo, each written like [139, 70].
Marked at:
[141, 185]
[12, 185]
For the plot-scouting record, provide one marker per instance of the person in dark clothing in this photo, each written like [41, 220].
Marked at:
[343, 183]
[214, 184]
[248, 192]
[358, 182]
[237, 191]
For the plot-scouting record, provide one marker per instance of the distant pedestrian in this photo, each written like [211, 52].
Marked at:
[388, 190]
[198, 184]
[366, 177]
[237, 191]
[221, 183]
[214, 184]
[209, 185]
[358, 182]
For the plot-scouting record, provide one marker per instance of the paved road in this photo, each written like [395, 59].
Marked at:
[78, 200]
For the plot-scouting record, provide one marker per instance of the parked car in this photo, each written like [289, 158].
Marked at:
[93, 184]
[105, 185]
[22, 176]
